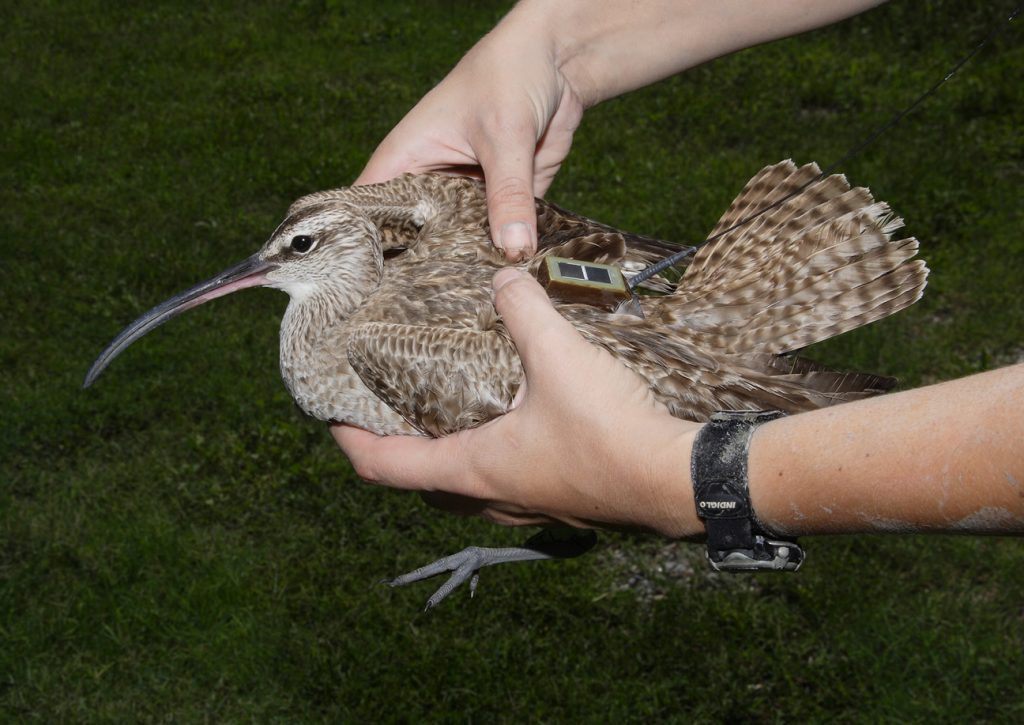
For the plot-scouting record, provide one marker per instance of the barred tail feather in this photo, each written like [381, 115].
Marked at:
[822, 263]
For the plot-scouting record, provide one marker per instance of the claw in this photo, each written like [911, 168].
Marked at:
[467, 563]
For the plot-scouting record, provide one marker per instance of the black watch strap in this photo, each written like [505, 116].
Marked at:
[736, 540]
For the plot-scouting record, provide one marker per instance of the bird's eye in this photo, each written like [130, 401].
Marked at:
[302, 243]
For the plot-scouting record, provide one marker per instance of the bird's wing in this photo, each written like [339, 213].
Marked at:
[563, 233]
[556, 225]
[440, 380]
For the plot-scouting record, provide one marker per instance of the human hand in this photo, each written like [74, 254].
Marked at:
[586, 443]
[509, 109]
[506, 113]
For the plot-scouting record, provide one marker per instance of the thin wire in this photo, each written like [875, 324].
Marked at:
[647, 272]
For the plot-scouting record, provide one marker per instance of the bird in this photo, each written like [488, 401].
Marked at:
[391, 326]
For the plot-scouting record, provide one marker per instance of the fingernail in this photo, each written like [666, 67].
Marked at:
[515, 239]
[503, 277]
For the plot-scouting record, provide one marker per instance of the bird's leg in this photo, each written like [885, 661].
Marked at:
[548, 544]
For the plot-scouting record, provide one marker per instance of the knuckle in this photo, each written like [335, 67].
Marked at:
[510, 192]
[473, 481]
[365, 470]
[496, 126]
[516, 292]
[364, 466]
[496, 517]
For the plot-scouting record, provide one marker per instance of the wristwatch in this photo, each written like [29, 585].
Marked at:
[736, 540]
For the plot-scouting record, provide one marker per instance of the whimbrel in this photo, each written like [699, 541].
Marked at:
[391, 327]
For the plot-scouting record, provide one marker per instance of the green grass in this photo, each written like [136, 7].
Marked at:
[179, 543]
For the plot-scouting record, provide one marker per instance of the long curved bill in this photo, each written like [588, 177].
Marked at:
[250, 273]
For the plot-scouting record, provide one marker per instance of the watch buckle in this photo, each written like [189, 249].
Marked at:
[767, 555]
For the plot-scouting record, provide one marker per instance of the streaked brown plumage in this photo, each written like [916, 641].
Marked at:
[425, 341]
[391, 325]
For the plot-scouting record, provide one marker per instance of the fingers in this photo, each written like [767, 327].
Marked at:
[420, 142]
[398, 461]
[554, 144]
[409, 462]
[507, 161]
[507, 164]
[541, 334]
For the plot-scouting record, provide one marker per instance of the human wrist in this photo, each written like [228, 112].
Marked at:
[673, 514]
[774, 488]
[591, 44]
[601, 49]
[771, 495]
[604, 48]
[597, 52]
[677, 518]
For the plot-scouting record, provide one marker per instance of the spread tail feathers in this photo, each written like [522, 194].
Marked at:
[820, 264]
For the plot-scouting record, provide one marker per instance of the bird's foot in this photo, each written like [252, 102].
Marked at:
[466, 564]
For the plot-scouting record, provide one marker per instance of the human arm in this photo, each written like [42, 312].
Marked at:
[510, 107]
[947, 457]
[944, 458]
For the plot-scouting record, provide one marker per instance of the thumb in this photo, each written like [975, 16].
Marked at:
[511, 207]
[540, 333]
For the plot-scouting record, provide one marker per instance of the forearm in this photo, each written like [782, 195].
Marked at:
[942, 458]
[947, 457]
[608, 47]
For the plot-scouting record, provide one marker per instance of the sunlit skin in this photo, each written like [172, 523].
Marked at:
[513, 122]
[942, 458]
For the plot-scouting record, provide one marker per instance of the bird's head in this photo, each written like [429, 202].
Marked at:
[324, 250]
